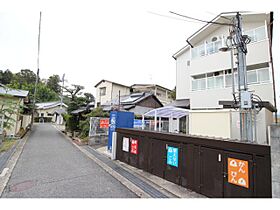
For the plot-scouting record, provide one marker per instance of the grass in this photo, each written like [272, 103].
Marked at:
[6, 145]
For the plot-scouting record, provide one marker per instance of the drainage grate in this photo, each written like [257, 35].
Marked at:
[153, 192]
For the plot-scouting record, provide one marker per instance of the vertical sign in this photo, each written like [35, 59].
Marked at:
[125, 146]
[172, 156]
[134, 146]
[238, 172]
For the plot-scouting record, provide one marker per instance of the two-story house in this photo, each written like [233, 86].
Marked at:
[106, 91]
[203, 75]
[163, 94]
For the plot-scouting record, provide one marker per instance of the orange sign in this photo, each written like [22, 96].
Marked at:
[238, 172]
[104, 123]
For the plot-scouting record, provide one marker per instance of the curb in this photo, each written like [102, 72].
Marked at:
[132, 187]
[11, 163]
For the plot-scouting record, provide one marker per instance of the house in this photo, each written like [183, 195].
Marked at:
[107, 91]
[163, 94]
[17, 99]
[51, 111]
[139, 103]
[204, 77]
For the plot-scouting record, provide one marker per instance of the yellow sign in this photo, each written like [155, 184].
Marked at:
[238, 172]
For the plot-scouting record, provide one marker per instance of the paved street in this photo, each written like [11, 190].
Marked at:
[50, 166]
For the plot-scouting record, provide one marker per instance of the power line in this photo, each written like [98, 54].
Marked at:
[170, 17]
[204, 21]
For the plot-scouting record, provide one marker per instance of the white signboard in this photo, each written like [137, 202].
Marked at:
[125, 145]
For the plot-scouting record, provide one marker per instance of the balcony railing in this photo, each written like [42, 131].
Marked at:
[256, 34]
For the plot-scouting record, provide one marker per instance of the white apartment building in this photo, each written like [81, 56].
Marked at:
[106, 91]
[203, 75]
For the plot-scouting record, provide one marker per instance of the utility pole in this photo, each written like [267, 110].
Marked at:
[245, 97]
[37, 75]
[61, 97]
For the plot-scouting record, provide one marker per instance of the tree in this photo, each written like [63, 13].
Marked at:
[8, 107]
[53, 83]
[45, 94]
[89, 97]
[173, 93]
[6, 77]
[24, 77]
[74, 101]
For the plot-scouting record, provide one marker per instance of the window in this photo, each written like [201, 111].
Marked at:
[42, 114]
[199, 82]
[256, 34]
[210, 82]
[252, 77]
[49, 114]
[263, 75]
[219, 81]
[103, 91]
[228, 80]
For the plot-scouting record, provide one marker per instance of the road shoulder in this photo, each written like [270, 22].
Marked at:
[11, 163]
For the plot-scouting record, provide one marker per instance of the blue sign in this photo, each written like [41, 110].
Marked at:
[172, 156]
[137, 123]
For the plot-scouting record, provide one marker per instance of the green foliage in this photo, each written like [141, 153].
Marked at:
[89, 97]
[53, 83]
[6, 145]
[6, 77]
[8, 107]
[98, 112]
[84, 125]
[45, 94]
[173, 93]
[23, 78]
[71, 122]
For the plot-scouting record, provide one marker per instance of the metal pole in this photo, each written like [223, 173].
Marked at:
[37, 76]
[245, 111]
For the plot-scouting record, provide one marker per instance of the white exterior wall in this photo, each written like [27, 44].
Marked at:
[48, 111]
[123, 90]
[105, 98]
[112, 91]
[258, 52]
[183, 76]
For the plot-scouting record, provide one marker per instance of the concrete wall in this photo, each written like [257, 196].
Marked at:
[225, 124]
[214, 123]
[275, 159]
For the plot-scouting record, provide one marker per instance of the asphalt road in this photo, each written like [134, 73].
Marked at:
[51, 167]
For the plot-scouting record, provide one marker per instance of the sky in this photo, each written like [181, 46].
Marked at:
[123, 41]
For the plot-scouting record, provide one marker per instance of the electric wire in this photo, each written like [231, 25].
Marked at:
[204, 21]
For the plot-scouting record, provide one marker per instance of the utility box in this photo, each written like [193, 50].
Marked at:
[246, 100]
[119, 120]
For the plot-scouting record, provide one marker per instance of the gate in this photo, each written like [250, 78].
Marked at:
[215, 168]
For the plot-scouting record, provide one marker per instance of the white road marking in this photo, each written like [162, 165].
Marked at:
[5, 170]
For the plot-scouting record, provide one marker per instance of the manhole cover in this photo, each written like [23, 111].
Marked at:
[22, 186]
